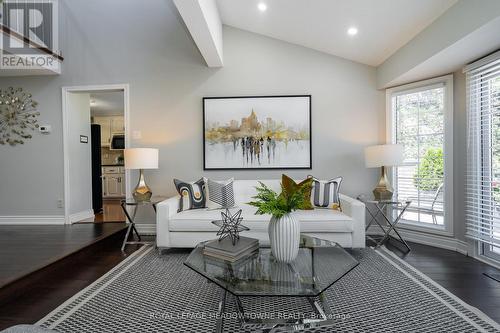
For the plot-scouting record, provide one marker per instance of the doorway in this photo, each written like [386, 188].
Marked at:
[95, 131]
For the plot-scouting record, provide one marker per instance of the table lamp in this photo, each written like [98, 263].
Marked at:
[141, 158]
[383, 156]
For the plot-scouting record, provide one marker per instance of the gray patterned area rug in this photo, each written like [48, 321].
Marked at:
[149, 292]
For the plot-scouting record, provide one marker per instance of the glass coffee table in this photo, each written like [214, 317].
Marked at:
[319, 264]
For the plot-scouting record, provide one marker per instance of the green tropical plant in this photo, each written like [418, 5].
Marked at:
[268, 201]
[431, 170]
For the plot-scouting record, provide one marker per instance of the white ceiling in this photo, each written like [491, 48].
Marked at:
[384, 25]
[107, 104]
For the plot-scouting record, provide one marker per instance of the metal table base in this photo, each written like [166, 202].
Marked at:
[131, 225]
[392, 226]
[321, 309]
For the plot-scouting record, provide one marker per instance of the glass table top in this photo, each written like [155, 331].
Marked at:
[153, 201]
[319, 264]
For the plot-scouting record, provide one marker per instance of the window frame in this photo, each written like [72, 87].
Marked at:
[447, 81]
[486, 252]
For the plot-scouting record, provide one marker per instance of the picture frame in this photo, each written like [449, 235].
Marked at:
[257, 132]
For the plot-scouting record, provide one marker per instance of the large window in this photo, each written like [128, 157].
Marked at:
[483, 150]
[420, 117]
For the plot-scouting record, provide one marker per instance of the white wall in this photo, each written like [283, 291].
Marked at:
[79, 154]
[465, 32]
[168, 79]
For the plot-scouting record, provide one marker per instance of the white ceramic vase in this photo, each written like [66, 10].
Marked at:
[284, 236]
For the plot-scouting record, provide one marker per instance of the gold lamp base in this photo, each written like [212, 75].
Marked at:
[384, 190]
[142, 192]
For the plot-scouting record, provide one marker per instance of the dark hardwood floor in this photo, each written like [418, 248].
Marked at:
[25, 249]
[111, 212]
[462, 275]
[31, 298]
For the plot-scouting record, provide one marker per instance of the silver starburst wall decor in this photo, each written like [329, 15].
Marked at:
[18, 116]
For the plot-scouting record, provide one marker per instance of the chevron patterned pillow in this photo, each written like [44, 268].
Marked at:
[220, 194]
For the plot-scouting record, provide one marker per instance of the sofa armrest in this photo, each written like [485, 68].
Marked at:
[356, 210]
[164, 210]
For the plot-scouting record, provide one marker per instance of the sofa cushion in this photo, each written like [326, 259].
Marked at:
[317, 220]
[244, 190]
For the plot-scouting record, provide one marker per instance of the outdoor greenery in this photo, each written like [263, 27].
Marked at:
[430, 173]
[278, 205]
[420, 129]
[420, 122]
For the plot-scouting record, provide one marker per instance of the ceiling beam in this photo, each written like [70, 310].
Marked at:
[203, 22]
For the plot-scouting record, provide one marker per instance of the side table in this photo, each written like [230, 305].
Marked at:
[392, 223]
[130, 202]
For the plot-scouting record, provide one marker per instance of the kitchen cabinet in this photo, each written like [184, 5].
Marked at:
[109, 126]
[113, 182]
[112, 186]
[105, 123]
[117, 125]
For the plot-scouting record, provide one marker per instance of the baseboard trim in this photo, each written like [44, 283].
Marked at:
[146, 229]
[32, 220]
[486, 260]
[86, 214]
[443, 242]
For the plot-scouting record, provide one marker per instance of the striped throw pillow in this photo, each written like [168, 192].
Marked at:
[326, 194]
[220, 194]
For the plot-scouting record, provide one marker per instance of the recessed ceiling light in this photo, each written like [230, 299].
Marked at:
[262, 7]
[352, 31]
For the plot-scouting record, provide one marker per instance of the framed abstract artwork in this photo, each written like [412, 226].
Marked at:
[257, 132]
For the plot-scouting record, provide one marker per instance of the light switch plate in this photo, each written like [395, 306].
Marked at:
[45, 129]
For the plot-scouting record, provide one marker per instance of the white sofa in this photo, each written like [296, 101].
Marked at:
[188, 228]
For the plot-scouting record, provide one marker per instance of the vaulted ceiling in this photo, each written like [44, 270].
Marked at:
[406, 40]
[383, 26]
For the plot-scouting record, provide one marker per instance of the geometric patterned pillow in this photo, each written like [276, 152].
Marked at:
[220, 194]
[326, 194]
[192, 194]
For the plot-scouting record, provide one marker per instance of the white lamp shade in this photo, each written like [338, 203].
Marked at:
[141, 158]
[383, 155]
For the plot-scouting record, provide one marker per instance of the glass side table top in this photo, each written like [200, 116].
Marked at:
[319, 264]
[153, 201]
[372, 200]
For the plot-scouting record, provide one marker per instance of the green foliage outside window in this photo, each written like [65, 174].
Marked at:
[431, 170]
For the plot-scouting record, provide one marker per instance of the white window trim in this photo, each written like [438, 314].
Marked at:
[477, 253]
[447, 80]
